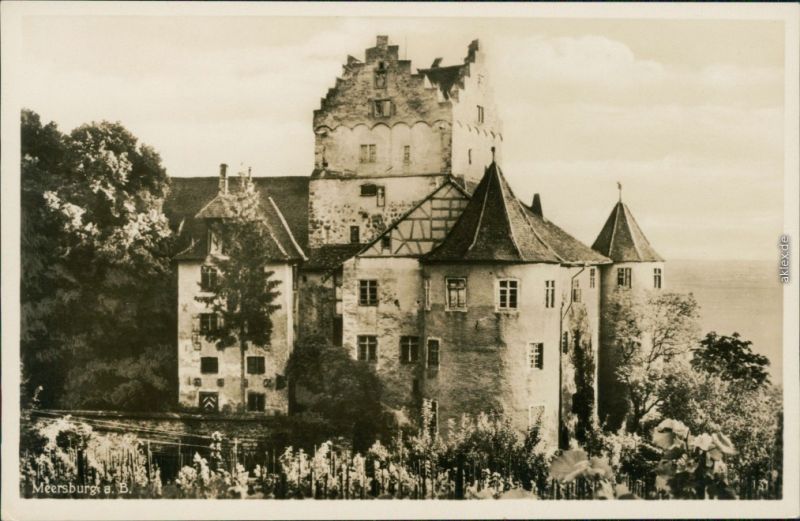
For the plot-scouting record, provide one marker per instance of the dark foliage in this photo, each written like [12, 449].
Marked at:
[97, 326]
[336, 396]
[731, 359]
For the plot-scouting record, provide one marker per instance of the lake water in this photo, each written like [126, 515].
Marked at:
[736, 296]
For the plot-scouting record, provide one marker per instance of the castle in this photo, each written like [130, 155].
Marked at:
[408, 247]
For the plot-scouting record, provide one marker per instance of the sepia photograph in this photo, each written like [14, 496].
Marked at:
[349, 252]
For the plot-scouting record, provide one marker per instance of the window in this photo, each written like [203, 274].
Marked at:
[209, 402]
[536, 355]
[507, 293]
[255, 365]
[355, 235]
[427, 293]
[565, 342]
[480, 114]
[576, 290]
[380, 197]
[380, 76]
[386, 243]
[549, 293]
[208, 323]
[367, 292]
[214, 244]
[209, 365]
[433, 353]
[469, 156]
[337, 292]
[369, 190]
[623, 277]
[208, 278]
[535, 415]
[256, 401]
[368, 348]
[382, 108]
[456, 293]
[657, 278]
[592, 276]
[407, 154]
[409, 349]
[368, 153]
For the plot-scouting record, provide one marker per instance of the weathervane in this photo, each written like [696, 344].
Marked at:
[619, 187]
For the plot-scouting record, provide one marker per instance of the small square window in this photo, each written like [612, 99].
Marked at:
[208, 278]
[407, 154]
[368, 348]
[386, 243]
[409, 349]
[256, 365]
[367, 292]
[507, 294]
[256, 402]
[456, 293]
[382, 108]
[209, 365]
[535, 355]
[209, 323]
[369, 190]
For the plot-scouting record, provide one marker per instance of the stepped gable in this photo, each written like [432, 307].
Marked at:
[622, 240]
[284, 201]
[494, 227]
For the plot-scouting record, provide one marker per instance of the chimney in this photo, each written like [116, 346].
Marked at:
[223, 178]
[436, 63]
[536, 205]
[382, 41]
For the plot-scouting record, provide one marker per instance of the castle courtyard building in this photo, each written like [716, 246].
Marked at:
[407, 247]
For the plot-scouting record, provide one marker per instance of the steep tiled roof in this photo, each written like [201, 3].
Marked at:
[494, 227]
[283, 199]
[330, 256]
[622, 240]
[567, 247]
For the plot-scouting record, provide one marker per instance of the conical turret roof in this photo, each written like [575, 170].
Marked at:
[494, 227]
[622, 240]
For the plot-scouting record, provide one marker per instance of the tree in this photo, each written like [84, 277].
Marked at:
[95, 259]
[244, 296]
[731, 359]
[343, 393]
[650, 333]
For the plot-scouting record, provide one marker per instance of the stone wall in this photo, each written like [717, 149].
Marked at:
[397, 314]
[192, 346]
[336, 204]
[483, 352]
[419, 117]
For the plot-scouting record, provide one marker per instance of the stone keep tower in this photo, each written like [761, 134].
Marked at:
[636, 267]
[385, 137]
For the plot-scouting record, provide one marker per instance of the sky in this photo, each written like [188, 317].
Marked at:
[687, 114]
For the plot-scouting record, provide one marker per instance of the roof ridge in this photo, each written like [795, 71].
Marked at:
[498, 174]
[286, 227]
[533, 229]
[480, 217]
[613, 229]
[628, 214]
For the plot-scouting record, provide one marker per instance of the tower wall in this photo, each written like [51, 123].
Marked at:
[483, 352]
[611, 398]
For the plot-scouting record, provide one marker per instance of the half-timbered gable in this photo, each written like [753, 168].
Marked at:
[423, 227]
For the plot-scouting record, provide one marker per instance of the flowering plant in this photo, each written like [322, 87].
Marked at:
[692, 467]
